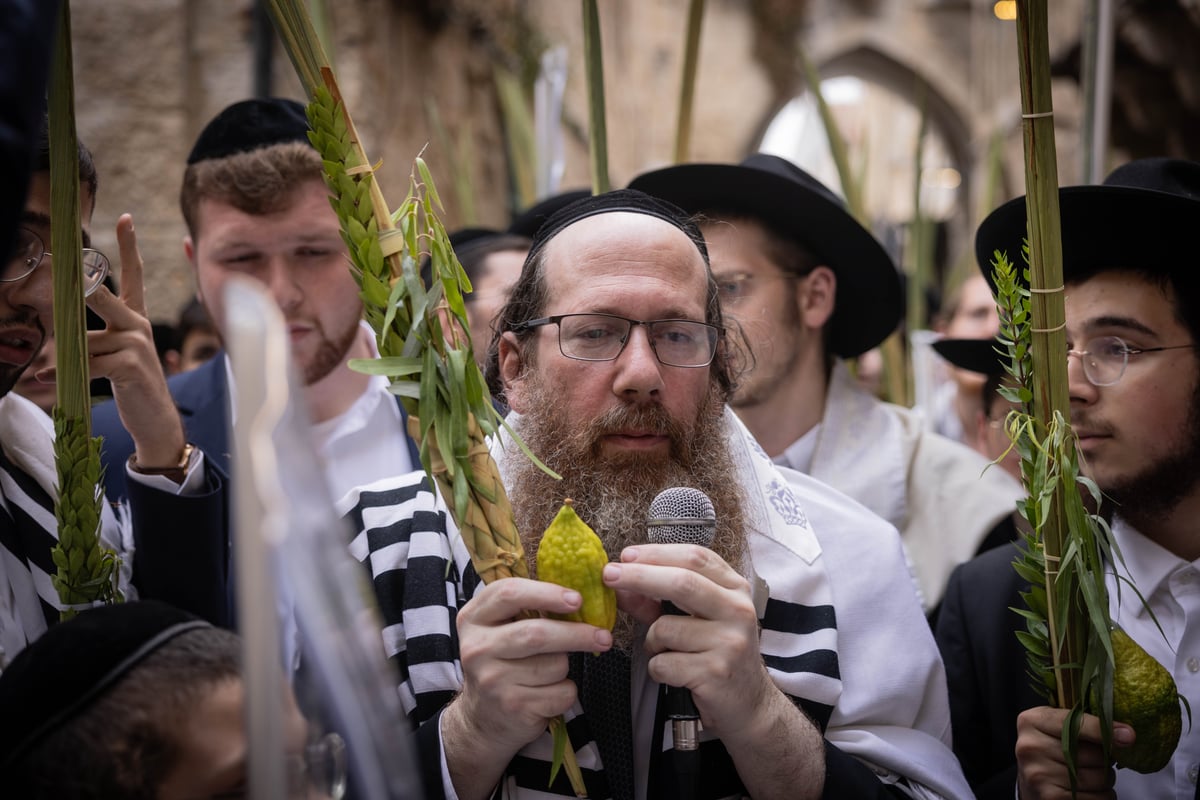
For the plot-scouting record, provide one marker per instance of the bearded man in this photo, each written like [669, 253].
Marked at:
[1132, 328]
[611, 353]
[256, 205]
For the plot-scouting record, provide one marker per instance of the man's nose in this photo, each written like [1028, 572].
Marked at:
[35, 291]
[1079, 388]
[283, 280]
[639, 372]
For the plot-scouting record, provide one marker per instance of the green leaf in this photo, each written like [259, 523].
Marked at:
[560, 749]
[392, 366]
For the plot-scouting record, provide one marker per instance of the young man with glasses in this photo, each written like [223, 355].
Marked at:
[1132, 325]
[166, 525]
[808, 287]
[806, 652]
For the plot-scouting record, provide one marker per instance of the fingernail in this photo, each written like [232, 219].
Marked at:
[572, 597]
[629, 554]
[603, 638]
[611, 573]
[1122, 735]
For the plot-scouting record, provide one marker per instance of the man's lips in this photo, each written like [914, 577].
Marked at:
[637, 439]
[1090, 436]
[18, 345]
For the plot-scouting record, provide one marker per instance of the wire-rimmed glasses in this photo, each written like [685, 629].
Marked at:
[318, 772]
[30, 252]
[1104, 358]
[602, 337]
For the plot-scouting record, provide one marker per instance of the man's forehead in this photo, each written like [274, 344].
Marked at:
[36, 213]
[1121, 299]
[599, 234]
[306, 209]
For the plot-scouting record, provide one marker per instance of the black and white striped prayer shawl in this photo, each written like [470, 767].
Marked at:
[28, 531]
[422, 575]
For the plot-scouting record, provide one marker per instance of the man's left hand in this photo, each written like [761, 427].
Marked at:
[124, 353]
[714, 651]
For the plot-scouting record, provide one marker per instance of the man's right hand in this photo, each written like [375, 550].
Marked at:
[1042, 767]
[514, 676]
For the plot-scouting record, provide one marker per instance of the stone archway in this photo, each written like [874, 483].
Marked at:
[878, 103]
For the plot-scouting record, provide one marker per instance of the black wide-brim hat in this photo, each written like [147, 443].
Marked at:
[1142, 217]
[974, 355]
[794, 204]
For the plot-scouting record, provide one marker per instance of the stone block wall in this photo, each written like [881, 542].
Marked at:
[151, 73]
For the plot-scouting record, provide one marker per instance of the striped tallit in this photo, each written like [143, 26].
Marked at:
[422, 575]
[28, 601]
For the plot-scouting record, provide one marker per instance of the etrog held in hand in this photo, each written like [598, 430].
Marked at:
[571, 555]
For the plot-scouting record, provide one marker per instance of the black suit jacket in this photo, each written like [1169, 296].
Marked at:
[202, 397]
[985, 668]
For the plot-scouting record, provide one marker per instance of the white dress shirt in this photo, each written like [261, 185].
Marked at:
[1171, 587]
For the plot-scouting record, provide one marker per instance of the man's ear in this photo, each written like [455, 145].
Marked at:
[512, 371]
[816, 297]
[189, 251]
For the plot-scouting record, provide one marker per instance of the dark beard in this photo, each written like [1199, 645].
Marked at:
[1152, 495]
[330, 355]
[613, 494]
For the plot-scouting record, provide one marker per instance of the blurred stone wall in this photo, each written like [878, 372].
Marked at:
[151, 73]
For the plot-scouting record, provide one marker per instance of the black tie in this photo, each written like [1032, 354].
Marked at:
[604, 694]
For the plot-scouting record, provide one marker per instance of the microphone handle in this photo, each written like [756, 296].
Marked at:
[680, 707]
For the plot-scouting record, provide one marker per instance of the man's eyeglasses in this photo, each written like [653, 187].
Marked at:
[31, 251]
[736, 288]
[602, 337]
[1104, 358]
[318, 772]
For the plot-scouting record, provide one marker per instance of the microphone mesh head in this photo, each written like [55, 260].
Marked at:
[682, 515]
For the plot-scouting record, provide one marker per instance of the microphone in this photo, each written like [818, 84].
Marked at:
[681, 515]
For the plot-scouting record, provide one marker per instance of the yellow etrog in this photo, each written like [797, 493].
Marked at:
[1144, 697]
[572, 555]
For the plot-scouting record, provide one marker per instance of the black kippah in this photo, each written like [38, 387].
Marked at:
[72, 664]
[248, 125]
[628, 200]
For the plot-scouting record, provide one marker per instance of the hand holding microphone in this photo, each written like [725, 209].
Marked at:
[681, 515]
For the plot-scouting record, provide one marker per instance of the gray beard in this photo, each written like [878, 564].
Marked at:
[613, 494]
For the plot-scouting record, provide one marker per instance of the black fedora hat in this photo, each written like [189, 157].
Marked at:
[794, 204]
[984, 356]
[530, 220]
[1140, 218]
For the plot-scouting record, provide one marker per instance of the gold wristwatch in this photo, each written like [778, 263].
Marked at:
[176, 473]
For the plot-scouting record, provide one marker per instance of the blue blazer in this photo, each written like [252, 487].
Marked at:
[202, 397]
[183, 542]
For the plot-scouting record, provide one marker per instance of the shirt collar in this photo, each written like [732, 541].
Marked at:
[1148, 564]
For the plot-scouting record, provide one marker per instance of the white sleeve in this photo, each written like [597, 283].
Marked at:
[894, 712]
